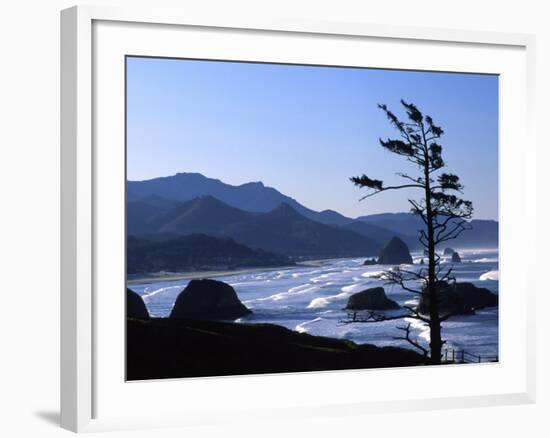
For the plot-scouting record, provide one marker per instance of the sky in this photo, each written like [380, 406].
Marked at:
[305, 130]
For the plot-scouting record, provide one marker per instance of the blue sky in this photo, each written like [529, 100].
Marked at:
[305, 130]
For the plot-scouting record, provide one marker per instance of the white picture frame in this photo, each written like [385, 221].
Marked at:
[86, 172]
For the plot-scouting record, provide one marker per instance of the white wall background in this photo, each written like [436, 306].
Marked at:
[29, 216]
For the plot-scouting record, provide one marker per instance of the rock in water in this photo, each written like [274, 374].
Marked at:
[456, 258]
[371, 299]
[460, 298]
[208, 299]
[135, 307]
[394, 253]
[369, 262]
[449, 251]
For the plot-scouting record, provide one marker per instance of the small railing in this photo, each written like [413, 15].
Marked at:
[461, 356]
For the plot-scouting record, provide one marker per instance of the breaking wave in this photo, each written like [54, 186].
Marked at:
[491, 275]
[302, 328]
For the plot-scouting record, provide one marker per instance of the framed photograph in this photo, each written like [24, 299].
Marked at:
[257, 208]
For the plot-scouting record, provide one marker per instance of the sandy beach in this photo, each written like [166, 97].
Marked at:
[191, 275]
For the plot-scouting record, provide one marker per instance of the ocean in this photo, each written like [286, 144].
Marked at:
[310, 299]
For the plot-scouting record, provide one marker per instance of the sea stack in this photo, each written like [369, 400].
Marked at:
[456, 258]
[459, 298]
[371, 299]
[370, 262]
[395, 252]
[135, 307]
[208, 299]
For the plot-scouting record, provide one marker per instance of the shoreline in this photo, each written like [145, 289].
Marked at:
[193, 275]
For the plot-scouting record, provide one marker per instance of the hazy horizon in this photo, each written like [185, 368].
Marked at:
[305, 130]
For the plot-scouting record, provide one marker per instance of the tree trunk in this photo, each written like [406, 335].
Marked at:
[435, 324]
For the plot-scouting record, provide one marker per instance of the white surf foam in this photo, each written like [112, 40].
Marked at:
[297, 290]
[318, 303]
[352, 288]
[147, 295]
[486, 260]
[306, 272]
[323, 277]
[491, 275]
[302, 328]
[422, 327]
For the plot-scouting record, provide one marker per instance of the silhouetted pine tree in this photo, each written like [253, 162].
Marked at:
[443, 214]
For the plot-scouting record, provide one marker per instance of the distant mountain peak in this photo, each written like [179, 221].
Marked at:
[253, 184]
[200, 176]
[284, 209]
[195, 176]
[207, 200]
[253, 196]
[188, 174]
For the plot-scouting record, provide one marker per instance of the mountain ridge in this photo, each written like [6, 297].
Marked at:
[282, 230]
[251, 196]
[149, 202]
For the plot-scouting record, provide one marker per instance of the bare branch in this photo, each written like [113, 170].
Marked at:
[415, 314]
[385, 189]
[410, 178]
[453, 234]
[443, 224]
[371, 316]
[407, 337]
[395, 277]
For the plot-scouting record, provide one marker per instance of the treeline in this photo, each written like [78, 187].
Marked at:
[194, 253]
